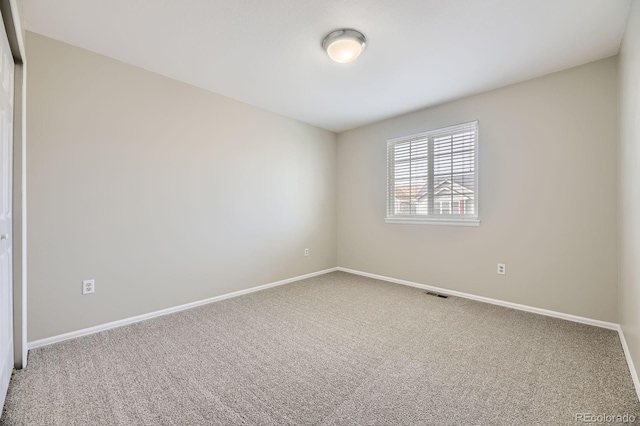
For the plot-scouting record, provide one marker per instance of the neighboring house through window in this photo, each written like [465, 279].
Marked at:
[433, 177]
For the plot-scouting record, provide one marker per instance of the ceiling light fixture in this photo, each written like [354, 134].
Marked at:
[344, 45]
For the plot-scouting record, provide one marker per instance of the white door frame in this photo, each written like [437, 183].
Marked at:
[12, 17]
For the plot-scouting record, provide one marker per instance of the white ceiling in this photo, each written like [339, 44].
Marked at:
[267, 52]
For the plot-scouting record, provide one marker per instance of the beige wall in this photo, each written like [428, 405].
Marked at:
[547, 173]
[162, 192]
[629, 218]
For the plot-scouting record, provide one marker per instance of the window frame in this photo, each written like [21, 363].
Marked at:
[450, 219]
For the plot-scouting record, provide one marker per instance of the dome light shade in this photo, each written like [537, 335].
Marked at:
[344, 45]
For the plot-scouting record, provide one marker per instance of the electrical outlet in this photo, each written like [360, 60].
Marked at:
[306, 252]
[88, 286]
[502, 269]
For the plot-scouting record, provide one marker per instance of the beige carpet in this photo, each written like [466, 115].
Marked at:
[337, 349]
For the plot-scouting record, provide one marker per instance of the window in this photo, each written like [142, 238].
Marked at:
[432, 177]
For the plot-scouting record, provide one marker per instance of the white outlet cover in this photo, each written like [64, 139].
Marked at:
[502, 269]
[88, 286]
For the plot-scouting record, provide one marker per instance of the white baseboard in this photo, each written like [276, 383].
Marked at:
[126, 321]
[546, 312]
[632, 368]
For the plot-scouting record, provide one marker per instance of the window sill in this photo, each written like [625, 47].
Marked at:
[430, 221]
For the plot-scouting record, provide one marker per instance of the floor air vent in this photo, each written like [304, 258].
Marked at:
[442, 296]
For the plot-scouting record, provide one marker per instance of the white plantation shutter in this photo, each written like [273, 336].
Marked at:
[432, 176]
